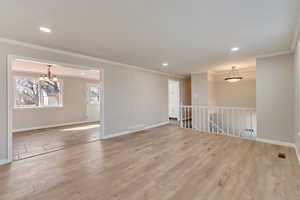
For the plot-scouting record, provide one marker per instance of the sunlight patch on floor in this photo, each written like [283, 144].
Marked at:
[80, 128]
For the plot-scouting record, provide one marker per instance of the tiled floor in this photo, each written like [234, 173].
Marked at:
[32, 143]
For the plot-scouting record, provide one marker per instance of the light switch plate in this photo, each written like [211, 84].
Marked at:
[299, 133]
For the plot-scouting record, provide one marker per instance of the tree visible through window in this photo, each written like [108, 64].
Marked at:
[30, 92]
[49, 93]
[27, 92]
[93, 95]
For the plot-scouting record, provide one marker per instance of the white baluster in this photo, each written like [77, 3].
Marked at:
[222, 120]
[180, 109]
[217, 123]
[200, 121]
[185, 117]
[207, 120]
[251, 126]
[189, 117]
[232, 122]
[198, 116]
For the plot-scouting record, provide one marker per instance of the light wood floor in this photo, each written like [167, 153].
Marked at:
[165, 163]
[31, 143]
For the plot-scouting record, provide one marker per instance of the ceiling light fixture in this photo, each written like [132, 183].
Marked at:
[235, 49]
[49, 76]
[45, 29]
[233, 76]
[165, 64]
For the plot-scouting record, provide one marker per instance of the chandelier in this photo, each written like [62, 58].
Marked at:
[49, 76]
[233, 76]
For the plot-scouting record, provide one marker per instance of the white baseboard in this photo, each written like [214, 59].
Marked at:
[157, 125]
[51, 126]
[287, 144]
[3, 162]
[134, 131]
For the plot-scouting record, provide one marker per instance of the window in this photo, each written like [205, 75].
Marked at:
[49, 93]
[30, 92]
[26, 92]
[93, 95]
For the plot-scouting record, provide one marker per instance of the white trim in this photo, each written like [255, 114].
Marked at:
[134, 131]
[296, 35]
[297, 153]
[156, 125]
[4, 162]
[9, 108]
[287, 144]
[39, 47]
[51, 126]
[221, 107]
[179, 96]
[225, 71]
[241, 70]
[36, 74]
[280, 53]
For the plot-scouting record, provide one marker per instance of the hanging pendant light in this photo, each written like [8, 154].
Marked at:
[233, 76]
[49, 76]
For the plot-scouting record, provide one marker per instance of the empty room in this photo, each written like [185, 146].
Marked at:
[63, 104]
[140, 100]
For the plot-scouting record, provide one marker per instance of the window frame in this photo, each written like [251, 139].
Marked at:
[60, 105]
[60, 97]
[88, 86]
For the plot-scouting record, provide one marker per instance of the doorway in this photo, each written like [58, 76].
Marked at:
[52, 106]
[174, 99]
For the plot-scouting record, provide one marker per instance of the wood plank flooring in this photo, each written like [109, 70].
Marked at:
[36, 142]
[165, 163]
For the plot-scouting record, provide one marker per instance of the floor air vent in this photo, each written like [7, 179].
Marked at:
[281, 155]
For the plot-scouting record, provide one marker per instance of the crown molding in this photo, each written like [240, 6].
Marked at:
[224, 71]
[241, 70]
[200, 72]
[280, 53]
[43, 48]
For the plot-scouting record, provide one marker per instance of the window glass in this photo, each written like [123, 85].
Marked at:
[93, 95]
[30, 92]
[49, 93]
[26, 94]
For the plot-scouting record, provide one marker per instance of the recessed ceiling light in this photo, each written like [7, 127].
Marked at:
[165, 64]
[235, 49]
[45, 29]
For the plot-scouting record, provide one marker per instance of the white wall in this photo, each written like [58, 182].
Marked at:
[202, 89]
[239, 94]
[275, 98]
[213, 90]
[132, 97]
[75, 107]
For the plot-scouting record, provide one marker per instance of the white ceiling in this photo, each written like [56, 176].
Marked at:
[190, 35]
[60, 71]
